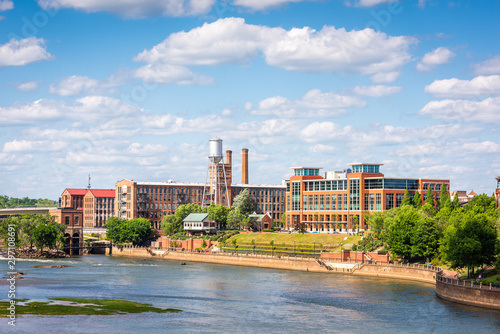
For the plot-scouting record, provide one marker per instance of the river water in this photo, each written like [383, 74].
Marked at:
[232, 299]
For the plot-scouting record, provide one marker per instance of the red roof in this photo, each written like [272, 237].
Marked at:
[472, 193]
[103, 192]
[77, 192]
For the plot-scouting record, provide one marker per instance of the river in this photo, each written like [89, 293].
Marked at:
[232, 299]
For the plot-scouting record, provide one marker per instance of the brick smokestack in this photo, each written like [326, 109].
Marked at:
[244, 166]
[229, 155]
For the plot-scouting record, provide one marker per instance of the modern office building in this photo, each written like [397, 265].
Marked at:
[155, 200]
[338, 201]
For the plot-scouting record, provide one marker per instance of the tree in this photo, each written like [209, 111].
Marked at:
[400, 233]
[429, 206]
[470, 241]
[444, 198]
[406, 198]
[242, 203]
[355, 223]
[216, 212]
[417, 200]
[11, 231]
[235, 219]
[169, 225]
[136, 230]
[455, 204]
[425, 239]
[47, 232]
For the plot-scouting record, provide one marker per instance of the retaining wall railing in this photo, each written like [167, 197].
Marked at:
[467, 284]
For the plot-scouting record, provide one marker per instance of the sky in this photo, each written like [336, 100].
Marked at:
[136, 89]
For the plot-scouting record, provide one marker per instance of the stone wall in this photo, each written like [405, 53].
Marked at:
[463, 293]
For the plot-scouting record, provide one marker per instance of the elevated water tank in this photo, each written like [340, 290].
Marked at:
[215, 150]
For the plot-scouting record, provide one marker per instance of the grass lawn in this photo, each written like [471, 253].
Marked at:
[81, 306]
[294, 238]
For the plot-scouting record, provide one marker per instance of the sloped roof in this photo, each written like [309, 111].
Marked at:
[103, 192]
[74, 191]
[195, 217]
[256, 218]
[472, 193]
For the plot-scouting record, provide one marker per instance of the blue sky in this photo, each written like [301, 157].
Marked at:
[135, 89]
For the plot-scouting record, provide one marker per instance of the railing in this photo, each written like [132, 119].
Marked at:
[467, 284]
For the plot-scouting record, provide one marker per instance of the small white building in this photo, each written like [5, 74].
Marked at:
[196, 223]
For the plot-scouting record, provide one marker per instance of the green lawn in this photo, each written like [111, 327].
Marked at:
[328, 240]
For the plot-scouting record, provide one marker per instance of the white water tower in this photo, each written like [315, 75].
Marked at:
[215, 150]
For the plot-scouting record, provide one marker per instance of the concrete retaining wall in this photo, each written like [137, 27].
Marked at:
[407, 273]
[260, 261]
[475, 296]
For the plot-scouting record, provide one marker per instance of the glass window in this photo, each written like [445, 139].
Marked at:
[354, 194]
[334, 202]
[389, 201]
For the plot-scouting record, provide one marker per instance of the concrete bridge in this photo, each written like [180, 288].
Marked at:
[27, 210]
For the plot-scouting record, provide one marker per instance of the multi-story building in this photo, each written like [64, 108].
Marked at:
[339, 201]
[73, 221]
[155, 200]
[73, 198]
[98, 207]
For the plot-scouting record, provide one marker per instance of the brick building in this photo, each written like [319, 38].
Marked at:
[98, 207]
[341, 199]
[155, 200]
[73, 198]
[73, 220]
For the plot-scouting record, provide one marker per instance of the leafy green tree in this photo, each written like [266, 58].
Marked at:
[235, 219]
[355, 223]
[425, 238]
[455, 204]
[406, 198]
[242, 203]
[216, 212]
[172, 224]
[400, 233]
[444, 198]
[169, 225]
[470, 241]
[136, 230]
[417, 200]
[47, 233]
[13, 232]
[429, 206]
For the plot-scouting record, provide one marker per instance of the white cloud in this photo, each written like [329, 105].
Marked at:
[479, 86]
[322, 148]
[313, 104]
[28, 86]
[76, 85]
[368, 3]
[89, 108]
[439, 56]
[486, 111]
[489, 66]
[377, 91]
[30, 146]
[171, 74]
[169, 124]
[22, 52]
[262, 4]
[135, 8]
[323, 131]
[381, 78]
[231, 40]
[6, 5]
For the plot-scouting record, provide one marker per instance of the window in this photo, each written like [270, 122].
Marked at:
[66, 220]
[315, 202]
[379, 202]
[334, 202]
[327, 202]
[295, 196]
[77, 220]
[399, 199]
[322, 202]
[389, 201]
[310, 202]
[354, 193]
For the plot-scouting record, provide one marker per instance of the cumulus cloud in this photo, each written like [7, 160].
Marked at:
[21, 52]
[27, 86]
[376, 91]
[135, 9]
[439, 56]
[30, 146]
[485, 111]
[170, 124]
[456, 88]
[76, 85]
[490, 66]
[313, 104]
[171, 74]
[387, 77]
[262, 4]
[89, 108]
[6, 5]
[232, 41]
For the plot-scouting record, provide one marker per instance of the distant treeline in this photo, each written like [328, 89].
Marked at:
[12, 202]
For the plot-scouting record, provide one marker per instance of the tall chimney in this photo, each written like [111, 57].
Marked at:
[244, 166]
[229, 155]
